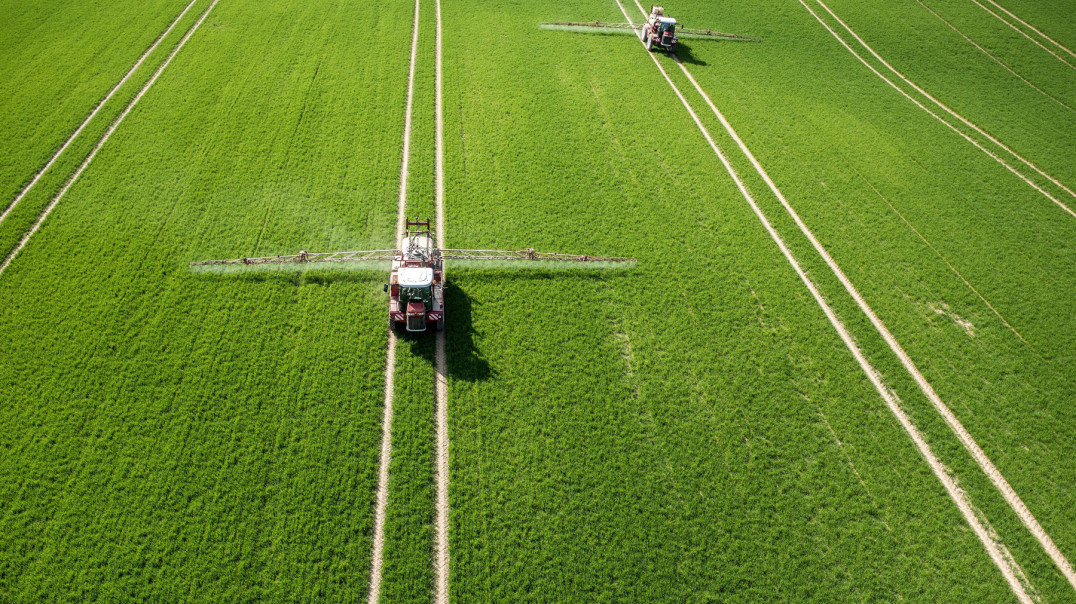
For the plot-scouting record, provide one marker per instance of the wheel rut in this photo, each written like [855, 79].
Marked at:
[104, 139]
[382, 498]
[97, 108]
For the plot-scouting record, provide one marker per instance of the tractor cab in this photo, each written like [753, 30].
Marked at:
[666, 31]
[416, 295]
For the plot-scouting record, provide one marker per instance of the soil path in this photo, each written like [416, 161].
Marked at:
[67, 143]
[441, 524]
[104, 139]
[382, 501]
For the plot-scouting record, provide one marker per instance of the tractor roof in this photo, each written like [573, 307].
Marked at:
[416, 276]
[666, 19]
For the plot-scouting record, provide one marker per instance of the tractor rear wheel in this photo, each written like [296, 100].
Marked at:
[439, 325]
[649, 42]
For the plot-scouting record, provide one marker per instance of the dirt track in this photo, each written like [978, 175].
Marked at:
[382, 499]
[441, 524]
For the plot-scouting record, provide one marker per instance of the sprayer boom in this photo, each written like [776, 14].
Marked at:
[658, 31]
[303, 257]
[416, 285]
[527, 254]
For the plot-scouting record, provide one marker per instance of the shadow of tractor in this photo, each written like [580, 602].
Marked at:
[463, 360]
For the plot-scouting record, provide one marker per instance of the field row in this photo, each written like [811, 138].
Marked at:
[689, 429]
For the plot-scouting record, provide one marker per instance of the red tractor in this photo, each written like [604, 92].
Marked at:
[416, 286]
[659, 30]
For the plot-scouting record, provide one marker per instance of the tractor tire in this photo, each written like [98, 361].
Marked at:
[649, 43]
[394, 326]
[439, 325]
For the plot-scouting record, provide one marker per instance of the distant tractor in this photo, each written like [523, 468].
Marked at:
[416, 284]
[658, 31]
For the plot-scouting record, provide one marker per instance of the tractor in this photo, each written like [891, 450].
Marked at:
[416, 285]
[659, 30]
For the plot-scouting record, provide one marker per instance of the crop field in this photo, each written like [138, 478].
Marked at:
[841, 367]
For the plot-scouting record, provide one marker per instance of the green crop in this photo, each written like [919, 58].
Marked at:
[692, 429]
[169, 434]
[944, 243]
[642, 435]
[59, 60]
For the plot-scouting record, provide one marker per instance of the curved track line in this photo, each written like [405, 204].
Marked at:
[995, 59]
[441, 524]
[945, 107]
[977, 144]
[1000, 555]
[1024, 33]
[104, 139]
[955, 426]
[67, 143]
[382, 501]
[1032, 28]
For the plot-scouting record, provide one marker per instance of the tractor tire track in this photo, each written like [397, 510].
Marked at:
[1025, 34]
[97, 108]
[441, 523]
[104, 139]
[971, 140]
[382, 498]
[1032, 28]
[995, 59]
[944, 107]
[997, 551]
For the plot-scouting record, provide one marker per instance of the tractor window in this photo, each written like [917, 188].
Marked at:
[414, 294]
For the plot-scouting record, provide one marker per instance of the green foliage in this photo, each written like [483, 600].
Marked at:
[59, 59]
[691, 429]
[925, 224]
[174, 435]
